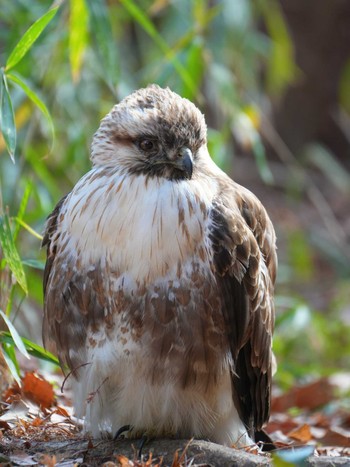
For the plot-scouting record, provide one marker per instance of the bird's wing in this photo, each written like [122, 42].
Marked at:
[50, 242]
[50, 229]
[243, 242]
[69, 294]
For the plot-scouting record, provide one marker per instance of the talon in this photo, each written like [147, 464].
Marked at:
[121, 430]
[142, 443]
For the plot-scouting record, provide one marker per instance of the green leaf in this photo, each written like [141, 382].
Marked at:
[78, 23]
[203, 15]
[195, 67]
[11, 254]
[41, 169]
[22, 208]
[281, 69]
[10, 300]
[33, 349]
[7, 118]
[102, 31]
[300, 255]
[15, 336]
[344, 88]
[143, 20]
[261, 161]
[326, 162]
[217, 148]
[11, 361]
[28, 228]
[29, 37]
[34, 98]
[34, 263]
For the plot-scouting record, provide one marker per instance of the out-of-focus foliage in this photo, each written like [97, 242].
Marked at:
[232, 58]
[308, 343]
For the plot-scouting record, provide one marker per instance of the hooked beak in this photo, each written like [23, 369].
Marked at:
[184, 161]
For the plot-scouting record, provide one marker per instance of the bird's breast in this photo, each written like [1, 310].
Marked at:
[139, 276]
[139, 226]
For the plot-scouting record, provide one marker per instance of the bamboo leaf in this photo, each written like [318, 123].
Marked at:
[16, 338]
[143, 20]
[102, 31]
[282, 69]
[325, 161]
[51, 181]
[11, 361]
[78, 23]
[10, 300]
[7, 118]
[195, 67]
[22, 209]
[261, 161]
[344, 88]
[34, 263]
[28, 228]
[11, 254]
[33, 349]
[34, 98]
[29, 37]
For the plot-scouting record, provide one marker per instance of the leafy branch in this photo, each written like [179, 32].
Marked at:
[7, 117]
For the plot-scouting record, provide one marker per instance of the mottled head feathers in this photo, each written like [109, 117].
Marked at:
[153, 113]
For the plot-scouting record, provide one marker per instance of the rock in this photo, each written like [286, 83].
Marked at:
[328, 461]
[109, 453]
[97, 452]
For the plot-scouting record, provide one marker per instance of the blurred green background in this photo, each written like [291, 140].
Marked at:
[273, 79]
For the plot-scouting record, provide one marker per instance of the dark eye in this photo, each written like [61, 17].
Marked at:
[147, 144]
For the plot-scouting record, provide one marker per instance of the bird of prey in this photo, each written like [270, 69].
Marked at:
[158, 285]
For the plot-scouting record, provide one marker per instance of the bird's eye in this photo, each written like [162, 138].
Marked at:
[147, 145]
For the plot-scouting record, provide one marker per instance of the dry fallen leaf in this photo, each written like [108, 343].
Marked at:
[123, 461]
[47, 461]
[282, 422]
[308, 397]
[38, 390]
[333, 451]
[12, 393]
[37, 421]
[301, 434]
[336, 437]
[34, 388]
[4, 426]
[61, 411]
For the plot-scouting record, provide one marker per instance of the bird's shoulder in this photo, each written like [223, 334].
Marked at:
[241, 229]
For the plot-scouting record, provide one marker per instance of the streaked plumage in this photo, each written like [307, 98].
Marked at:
[159, 281]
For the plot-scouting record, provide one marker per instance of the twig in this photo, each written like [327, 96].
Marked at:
[71, 373]
[314, 193]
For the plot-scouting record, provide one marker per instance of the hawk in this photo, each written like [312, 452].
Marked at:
[158, 285]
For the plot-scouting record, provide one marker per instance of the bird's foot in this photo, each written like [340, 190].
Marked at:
[142, 443]
[122, 430]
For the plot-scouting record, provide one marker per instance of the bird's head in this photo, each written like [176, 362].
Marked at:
[153, 131]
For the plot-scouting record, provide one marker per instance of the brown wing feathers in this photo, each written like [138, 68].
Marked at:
[67, 297]
[51, 225]
[242, 239]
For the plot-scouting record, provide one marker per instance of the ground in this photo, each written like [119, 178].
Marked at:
[309, 424]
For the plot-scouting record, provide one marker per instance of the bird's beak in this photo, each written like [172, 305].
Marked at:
[184, 161]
